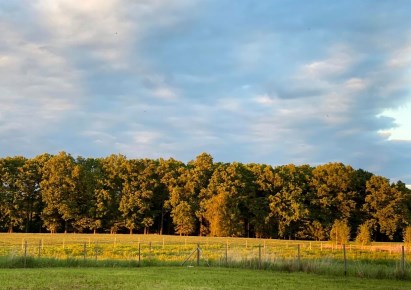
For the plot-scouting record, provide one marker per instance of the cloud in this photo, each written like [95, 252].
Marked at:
[264, 81]
[264, 99]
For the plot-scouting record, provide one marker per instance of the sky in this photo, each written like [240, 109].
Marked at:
[273, 82]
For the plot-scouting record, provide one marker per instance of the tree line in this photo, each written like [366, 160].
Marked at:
[60, 193]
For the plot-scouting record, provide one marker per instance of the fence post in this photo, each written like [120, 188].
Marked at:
[96, 250]
[25, 254]
[226, 254]
[39, 253]
[298, 255]
[345, 261]
[139, 254]
[198, 254]
[163, 243]
[85, 250]
[259, 257]
[403, 259]
[150, 249]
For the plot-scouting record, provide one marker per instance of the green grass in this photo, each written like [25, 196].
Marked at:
[181, 278]
[380, 260]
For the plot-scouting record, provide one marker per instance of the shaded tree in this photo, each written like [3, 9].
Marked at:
[333, 195]
[30, 177]
[12, 214]
[183, 219]
[289, 203]
[59, 192]
[384, 206]
[141, 181]
[110, 190]
[229, 193]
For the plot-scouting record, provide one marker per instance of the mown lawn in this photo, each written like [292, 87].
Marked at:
[181, 278]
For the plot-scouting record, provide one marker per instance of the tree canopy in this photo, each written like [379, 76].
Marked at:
[60, 193]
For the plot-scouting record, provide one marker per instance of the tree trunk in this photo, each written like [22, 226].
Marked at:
[162, 221]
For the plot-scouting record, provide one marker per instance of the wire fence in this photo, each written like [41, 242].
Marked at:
[144, 250]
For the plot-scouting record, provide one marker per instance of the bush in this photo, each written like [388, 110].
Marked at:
[340, 232]
[407, 236]
[363, 235]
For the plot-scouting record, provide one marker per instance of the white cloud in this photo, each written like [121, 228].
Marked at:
[402, 118]
[230, 104]
[355, 84]
[166, 93]
[264, 100]
[400, 58]
[341, 59]
[150, 78]
[38, 86]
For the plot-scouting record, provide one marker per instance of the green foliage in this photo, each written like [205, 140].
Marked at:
[230, 192]
[11, 198]
[363, 235]
[384, 204]
[288, 203]
[407, 236]
[116, 194]
[183, 219]
[340, 232]
[333, 195]
[60, 191]
[314, 230]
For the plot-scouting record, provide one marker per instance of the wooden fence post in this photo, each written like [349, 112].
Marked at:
[226, 254]
[403, 259]
[25, 254]
[345, 261]
[198, 254]
[85, 251]
[96, 250]
[139, 254]
[39, 252]
[150, 249]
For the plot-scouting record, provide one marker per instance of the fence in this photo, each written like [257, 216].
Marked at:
[144, 250]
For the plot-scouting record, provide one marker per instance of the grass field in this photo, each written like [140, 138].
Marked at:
[181, 278]
[380, 260]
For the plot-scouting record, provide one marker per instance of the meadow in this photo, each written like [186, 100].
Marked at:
[181, 278]
[378, 260]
